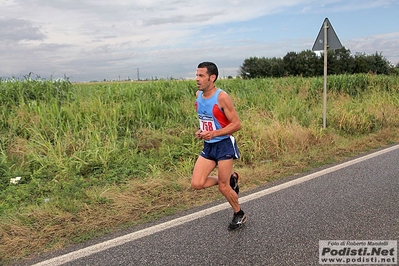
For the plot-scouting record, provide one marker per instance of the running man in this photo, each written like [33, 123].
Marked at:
[218, 121]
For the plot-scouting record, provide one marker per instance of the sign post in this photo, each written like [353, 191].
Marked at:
[326, 39]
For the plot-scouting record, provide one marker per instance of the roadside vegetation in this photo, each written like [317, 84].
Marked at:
[309, 64]
[81, 160]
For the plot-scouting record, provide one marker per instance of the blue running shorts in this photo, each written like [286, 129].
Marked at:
[223, 150]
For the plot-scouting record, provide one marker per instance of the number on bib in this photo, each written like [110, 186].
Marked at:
[207, 126]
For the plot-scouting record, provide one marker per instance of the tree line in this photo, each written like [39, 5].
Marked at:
[308, 64]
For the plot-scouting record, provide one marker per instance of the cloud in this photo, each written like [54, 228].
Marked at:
[15, 30]
[102, 39]
[333, 6]
[386, 44]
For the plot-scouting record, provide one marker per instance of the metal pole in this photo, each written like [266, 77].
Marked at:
[325, 75]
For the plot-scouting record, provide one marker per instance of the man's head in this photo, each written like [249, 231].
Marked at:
[212, 69]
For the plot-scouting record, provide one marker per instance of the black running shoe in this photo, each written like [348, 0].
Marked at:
[234, 182]
[238, 221]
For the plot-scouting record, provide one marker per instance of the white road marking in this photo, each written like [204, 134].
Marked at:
[185, 219]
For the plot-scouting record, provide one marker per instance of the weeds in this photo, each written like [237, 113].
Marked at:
[124, 152]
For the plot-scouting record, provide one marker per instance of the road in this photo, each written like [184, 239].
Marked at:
[354, 200]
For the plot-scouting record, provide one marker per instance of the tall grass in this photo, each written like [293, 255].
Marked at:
[72, 143]
[102, 134]
[54, 132]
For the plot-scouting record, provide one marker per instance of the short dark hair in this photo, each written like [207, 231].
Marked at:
[211, 68]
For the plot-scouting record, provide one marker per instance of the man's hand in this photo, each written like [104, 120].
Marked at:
[207, 135]
[198, 134]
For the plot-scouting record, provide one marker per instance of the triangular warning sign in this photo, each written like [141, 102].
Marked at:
[332, 38]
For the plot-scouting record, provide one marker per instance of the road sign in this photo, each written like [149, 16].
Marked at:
[327, 39]
[332, 38]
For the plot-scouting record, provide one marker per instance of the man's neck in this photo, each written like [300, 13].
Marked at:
[209, 92]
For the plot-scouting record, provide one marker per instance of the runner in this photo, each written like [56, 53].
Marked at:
[218, 121]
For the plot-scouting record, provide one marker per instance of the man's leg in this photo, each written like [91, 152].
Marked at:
[225, 168]
[239, 217]
[200, 178]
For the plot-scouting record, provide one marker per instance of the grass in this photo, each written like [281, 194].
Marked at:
[95, 158]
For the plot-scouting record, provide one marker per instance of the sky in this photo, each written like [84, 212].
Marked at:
[88, 40]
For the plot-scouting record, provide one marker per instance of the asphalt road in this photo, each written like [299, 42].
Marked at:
[354, 200]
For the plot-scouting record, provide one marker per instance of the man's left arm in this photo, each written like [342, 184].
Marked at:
[226, 104]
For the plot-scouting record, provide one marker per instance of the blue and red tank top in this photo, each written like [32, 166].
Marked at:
[210, 116]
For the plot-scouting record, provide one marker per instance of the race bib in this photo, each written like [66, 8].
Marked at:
[206, 123]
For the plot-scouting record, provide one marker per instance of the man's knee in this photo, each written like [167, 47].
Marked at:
[196, 185]
[224, 188]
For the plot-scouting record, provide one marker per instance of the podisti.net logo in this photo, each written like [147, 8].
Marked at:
[358, 252]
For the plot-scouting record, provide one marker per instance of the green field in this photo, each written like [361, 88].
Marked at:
[95, 158]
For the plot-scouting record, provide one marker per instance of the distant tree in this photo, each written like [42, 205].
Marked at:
[291, 64]
[277, 67]
[361, 64]
[340, 61]
[309, 64]
[246, 68]
[395, 70]
[375, 63]
[381, 64]
[255, 67]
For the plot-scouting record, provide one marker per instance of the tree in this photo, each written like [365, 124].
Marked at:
[340, 61]
[361, 63]
[381, 64]
[309, 64]
[395, 70]
[255, 67]
[277, 67]
[291, 64]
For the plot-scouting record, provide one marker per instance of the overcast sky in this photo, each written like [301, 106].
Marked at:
[96, 40]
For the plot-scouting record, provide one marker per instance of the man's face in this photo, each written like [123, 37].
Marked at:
[204, 80]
